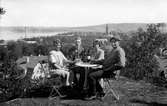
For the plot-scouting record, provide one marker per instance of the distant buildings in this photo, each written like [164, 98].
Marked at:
[31, 42]
[28, 41]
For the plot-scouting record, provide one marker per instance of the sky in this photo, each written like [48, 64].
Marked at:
[74, 13]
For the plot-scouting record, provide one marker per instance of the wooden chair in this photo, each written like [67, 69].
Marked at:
[109, 88]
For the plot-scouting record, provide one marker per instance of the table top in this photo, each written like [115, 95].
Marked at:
[81, 64]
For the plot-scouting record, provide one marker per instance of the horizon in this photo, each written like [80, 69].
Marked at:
[85, 25]
[79, 13]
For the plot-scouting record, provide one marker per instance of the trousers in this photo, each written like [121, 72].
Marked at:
[94, 77]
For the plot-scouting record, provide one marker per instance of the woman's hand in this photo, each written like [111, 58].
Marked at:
[57, 66]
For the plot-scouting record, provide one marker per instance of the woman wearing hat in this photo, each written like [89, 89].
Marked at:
[99, 53]
[58, 62]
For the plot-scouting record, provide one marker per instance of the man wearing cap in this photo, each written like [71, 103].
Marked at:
[58, 62]
[115, 60]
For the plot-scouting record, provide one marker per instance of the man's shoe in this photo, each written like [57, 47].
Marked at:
[102, 94]
[91, 97]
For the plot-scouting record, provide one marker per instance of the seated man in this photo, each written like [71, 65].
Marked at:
[115, 61]
[58, 62]
[77, 55]
[77, 51]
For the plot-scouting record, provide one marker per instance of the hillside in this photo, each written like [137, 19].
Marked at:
[123, 27]
[20, 31]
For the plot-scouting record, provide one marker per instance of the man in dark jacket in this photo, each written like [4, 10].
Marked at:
[115, 60]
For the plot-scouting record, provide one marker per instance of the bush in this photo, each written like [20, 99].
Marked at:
[140, 52]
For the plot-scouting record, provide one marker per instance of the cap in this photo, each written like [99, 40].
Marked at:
[117, 38]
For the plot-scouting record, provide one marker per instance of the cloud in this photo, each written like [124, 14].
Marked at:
[81, 12]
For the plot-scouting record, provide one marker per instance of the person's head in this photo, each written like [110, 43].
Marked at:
[96, 44]
[78, 41]
[114, 41]
[57, 44]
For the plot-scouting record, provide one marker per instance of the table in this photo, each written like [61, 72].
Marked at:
[87, 67]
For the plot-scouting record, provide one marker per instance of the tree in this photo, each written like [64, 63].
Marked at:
[2, 11]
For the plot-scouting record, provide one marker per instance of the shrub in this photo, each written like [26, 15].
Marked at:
[140, 52]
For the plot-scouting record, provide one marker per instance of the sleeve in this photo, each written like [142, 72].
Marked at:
[52, 59]
[64, 58]
[72, 52]
[122, 59]
[101, 55]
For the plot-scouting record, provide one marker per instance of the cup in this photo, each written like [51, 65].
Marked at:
[88, 57]
[27, 59]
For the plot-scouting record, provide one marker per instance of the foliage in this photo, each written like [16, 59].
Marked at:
[141, 51]
[11, 86]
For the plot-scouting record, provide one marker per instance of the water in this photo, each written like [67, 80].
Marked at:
[9, 35]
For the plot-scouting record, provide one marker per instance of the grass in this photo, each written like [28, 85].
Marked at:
[132, 93]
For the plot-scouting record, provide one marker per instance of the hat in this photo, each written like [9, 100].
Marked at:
[57, 42]
[117, 38]
[96, 42]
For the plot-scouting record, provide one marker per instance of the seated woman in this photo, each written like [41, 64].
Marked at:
[97, 56]
[58, 61]
[99, 53]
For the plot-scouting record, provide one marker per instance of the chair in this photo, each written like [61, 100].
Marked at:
[110, 89]
[54, 81]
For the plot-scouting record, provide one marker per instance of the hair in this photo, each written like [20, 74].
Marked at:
[97, 42]
[78, 38]
[57, 41]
